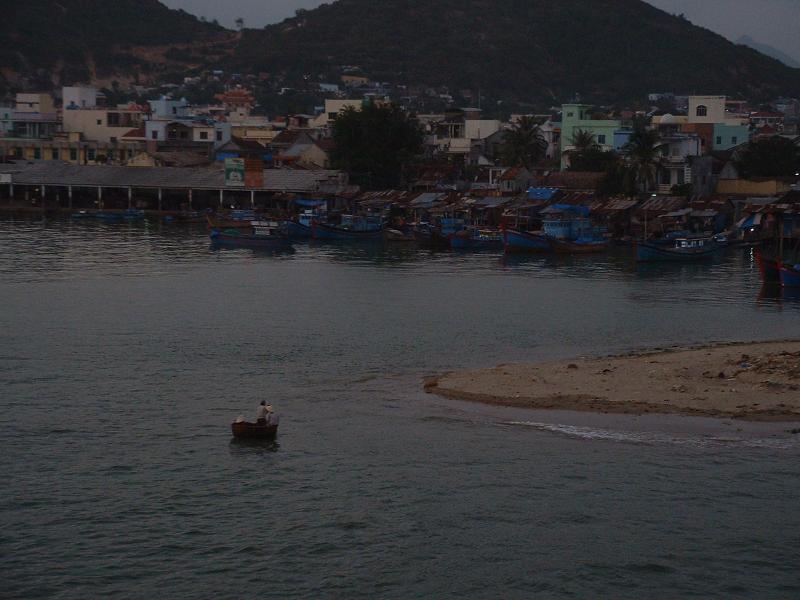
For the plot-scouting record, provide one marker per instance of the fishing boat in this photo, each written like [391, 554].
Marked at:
[790, 275]
[133, 214]
[430, 236]
[109, 217]
[253, 431]
[589, 245]
[769, 266]
[677, 248]
[351, 228]
[268, 235]
[476, 239]
[396, 235]
[517, 242]
[302, 226]
[237, 219]
[84, 214]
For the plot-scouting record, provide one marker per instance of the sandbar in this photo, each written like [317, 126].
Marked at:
[749, 381]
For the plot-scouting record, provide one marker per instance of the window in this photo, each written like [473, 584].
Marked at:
[113, 119]
[569, 114]
[154, 135]
[601, 139]
[90, 154]
[203, 135]
[184, 135]
[54, 153]
[37, 153]
[702, 111]
[734, 140]
[99, 121]
[719, 140]
[219, 136]
[73, 154]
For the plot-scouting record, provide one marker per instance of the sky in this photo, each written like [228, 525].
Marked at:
[773, 22]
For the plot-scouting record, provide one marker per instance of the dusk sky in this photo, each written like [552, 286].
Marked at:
[774, 22]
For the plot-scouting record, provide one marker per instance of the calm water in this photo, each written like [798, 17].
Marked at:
[126, 350]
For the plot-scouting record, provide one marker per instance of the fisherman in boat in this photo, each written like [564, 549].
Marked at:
[262, 412]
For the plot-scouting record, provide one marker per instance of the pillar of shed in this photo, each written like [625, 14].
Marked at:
[130, 198]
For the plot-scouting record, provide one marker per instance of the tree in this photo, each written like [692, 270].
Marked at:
[374, 144]
[769, 157]
[593, 160]
[583, 140]
[643, 152]
[524, 145]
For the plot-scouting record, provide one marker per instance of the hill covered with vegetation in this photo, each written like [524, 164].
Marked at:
[546, 50]
[78, 40]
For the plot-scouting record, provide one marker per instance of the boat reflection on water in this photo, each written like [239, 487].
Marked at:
[242, 446]
[775, 294]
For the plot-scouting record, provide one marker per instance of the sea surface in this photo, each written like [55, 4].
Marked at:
[127, 350]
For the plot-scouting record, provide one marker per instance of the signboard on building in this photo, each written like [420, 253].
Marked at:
[5, 177]
[254, 173]
[234, 172]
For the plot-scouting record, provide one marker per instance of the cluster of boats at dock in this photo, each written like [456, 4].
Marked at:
[567, 230]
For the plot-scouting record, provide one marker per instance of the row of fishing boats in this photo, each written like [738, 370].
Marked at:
[568, 232]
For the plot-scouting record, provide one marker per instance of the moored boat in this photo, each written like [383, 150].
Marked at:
[579, 246]
[431, 236]
[351, 228]
[476, 239]
[253, 431]
[676, 249]
[267, 235]
[790, 275]
[396, 235]
[515, 242]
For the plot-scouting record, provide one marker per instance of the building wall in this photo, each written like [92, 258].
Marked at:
[579, 117]
[745, 187]
[79, 96]
[93, 123]
[479, 129]
[714, 109]
[729, 136]
[35, 103]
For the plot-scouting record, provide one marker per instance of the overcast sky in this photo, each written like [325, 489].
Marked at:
[774, 22]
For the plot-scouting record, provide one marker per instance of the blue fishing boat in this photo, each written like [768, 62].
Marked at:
[570, 231]
[268, 235]
[678, 248]
[301, 227]
[133, 214]
[581, 245]
[790, 275]
[476, 239]
[517, 242]
[109, 217]
[351, 228]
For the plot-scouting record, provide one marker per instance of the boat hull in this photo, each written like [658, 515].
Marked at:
[298, 230]
[253, 431]
[790, 276]
[321, 231]
[240, 240]
[521, 242]
[653, 253]
[431, 238]
[579, 247]
[460, 242]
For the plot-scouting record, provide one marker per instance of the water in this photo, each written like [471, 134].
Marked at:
[128, 349]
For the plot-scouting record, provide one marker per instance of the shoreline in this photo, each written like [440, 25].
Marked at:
[747, 381]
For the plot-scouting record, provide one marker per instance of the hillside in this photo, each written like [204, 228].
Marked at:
[769, 51]
[605, 50]
[73, 40]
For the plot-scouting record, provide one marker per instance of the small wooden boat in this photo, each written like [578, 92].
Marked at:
[520, 242]
[395, 235]
[790, 275]
[268, 235]
[352, 228]
[580, 246]
[477, 239]
[675, 249]
[253, 431]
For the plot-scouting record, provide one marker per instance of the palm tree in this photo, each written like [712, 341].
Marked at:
[642, 152]
[524, 145]
[582, 141]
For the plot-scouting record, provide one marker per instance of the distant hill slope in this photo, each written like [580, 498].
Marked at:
[82, 39]
[769, 51]
[531, 49]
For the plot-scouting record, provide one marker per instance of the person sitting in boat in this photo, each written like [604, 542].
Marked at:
[262, 413]
[272, 416]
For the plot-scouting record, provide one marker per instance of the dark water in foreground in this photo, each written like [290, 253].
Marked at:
[125, 352]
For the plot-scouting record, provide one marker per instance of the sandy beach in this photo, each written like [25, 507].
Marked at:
[748, 381]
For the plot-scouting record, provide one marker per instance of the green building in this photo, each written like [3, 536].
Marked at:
[575, 117]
